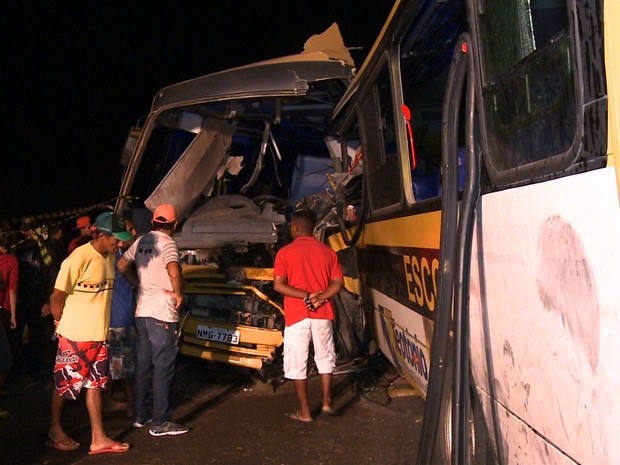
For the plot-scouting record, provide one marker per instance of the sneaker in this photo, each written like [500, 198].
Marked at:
[141, 423]
[168, 428]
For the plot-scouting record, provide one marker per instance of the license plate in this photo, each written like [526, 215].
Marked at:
[210, 333]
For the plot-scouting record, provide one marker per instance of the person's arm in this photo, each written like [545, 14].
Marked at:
[176, 279]
[57, 303]
[281, 285]
[50, 274]
[13, 303]
[128, 271]
[13, 291]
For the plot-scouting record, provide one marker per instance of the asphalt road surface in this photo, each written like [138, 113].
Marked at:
[235, 419]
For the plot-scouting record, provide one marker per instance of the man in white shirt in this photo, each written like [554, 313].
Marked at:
[160, 296]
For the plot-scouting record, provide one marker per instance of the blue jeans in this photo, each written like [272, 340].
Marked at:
[156, 353]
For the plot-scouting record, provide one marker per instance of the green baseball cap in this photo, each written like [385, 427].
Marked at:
[114, 224]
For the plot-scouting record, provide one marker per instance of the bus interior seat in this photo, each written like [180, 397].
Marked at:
[428, 185]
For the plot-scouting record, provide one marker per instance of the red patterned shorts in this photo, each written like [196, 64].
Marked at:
[80, 365]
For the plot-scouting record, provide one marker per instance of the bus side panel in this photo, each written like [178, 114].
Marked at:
[401, 336]
[400, 259]
[521, 444]
[545, 294]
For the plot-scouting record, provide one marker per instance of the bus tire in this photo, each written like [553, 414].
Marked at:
[480, 451]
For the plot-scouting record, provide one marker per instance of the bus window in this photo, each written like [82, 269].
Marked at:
[528, 84]
[163, 150]
[353, 152]
[424, 61]
[173, 132]
[380, 148]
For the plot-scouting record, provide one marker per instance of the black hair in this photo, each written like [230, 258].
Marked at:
[306, 219]
[53, 229]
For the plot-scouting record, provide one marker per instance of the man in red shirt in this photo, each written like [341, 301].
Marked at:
[84, 226]
[308, 274]
[9, 277]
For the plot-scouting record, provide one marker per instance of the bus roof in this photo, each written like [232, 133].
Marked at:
[290, 76]
[324, 57]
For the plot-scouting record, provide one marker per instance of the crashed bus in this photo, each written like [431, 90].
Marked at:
[234, 151]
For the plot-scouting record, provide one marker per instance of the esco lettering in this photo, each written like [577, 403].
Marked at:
[417, 274]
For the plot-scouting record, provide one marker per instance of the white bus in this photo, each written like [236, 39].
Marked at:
[485, 222]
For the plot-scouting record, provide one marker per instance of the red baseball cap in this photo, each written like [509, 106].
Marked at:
[165, 213]
[82, 222]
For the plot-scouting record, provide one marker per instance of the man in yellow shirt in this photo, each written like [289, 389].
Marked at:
[80, 304]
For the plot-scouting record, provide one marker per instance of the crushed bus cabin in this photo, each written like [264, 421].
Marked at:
[234, 151]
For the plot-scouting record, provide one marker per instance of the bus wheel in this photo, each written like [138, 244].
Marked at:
[479, 450]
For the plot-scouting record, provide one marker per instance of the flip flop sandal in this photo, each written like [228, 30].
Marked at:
[115, 447]
[295, 416]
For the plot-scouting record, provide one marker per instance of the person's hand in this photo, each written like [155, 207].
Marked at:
[309, 305]
[13, 321]
[46, 310]
[314, 299]
[179, 301]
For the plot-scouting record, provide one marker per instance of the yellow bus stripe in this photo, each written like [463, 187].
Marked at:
[413, 231]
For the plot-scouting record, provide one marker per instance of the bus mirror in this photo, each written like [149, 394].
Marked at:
[410, 143]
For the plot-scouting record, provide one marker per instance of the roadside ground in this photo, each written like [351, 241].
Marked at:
[235, 419]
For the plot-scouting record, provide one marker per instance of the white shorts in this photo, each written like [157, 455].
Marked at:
[297, 339]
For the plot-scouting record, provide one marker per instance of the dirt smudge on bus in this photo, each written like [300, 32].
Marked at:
[566, 284]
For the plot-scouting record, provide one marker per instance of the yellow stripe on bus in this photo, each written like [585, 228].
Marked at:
[420, 231]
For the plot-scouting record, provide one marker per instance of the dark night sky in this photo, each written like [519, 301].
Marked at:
[76, 75]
